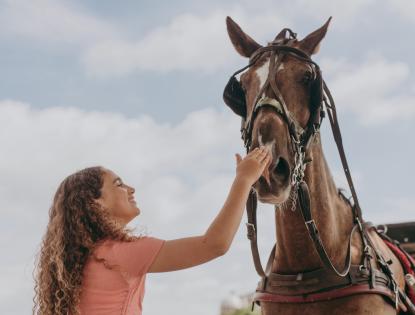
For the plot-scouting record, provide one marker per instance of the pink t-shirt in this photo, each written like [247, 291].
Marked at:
[119, 291]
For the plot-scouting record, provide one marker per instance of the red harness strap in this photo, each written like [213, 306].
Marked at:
[326, 295]
[406, 264]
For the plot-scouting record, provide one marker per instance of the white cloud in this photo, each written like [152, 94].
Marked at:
[60, 140]
[200, 42]
[181, 173]
[344, 13]
[53, 22]
[376, 90]
[405, 8]
[189, 42]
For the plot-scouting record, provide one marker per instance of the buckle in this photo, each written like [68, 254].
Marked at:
[250, 229]
[382, 228]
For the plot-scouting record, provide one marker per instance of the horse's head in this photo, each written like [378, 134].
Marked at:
[288, 83]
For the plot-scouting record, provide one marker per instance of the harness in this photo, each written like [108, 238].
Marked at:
[328, 282]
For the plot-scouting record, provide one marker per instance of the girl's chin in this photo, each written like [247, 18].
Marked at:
[136, 211]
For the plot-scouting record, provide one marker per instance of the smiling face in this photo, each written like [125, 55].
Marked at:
[118, 198]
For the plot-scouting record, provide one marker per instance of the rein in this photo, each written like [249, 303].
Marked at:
[332, 283]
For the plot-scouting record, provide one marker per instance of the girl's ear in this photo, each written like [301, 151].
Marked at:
[100, 202]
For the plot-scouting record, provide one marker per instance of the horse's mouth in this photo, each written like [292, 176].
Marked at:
[274, 186]
[272, 198]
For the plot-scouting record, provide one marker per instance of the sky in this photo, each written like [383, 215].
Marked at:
[136, 86]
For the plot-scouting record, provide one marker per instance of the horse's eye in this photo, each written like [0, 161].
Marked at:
[307, 77]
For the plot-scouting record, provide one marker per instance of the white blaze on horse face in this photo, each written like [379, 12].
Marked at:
[270, 147]
[262, 73]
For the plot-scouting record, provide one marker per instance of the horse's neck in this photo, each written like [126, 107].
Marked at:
[295, 251]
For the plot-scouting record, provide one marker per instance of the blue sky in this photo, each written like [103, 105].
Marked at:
[138, 87]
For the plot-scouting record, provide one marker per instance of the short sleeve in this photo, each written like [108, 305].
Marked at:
[137, 256]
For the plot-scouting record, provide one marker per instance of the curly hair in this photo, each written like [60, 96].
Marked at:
[76, 225]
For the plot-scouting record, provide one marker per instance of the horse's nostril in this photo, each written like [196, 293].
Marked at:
[282, 170]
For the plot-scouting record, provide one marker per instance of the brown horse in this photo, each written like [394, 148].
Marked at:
[332, 213]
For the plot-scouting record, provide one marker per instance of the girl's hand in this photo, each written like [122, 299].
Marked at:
[252, 166]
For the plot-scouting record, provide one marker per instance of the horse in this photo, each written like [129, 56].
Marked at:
[319, 231]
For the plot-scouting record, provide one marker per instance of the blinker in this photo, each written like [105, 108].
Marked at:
[234, 97]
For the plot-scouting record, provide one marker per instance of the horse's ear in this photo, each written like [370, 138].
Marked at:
[311, 43]
[242, 42]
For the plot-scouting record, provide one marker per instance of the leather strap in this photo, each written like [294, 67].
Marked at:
[252, 231]
[326, 295]
[318, 280]
[305, 207]
[334, 123]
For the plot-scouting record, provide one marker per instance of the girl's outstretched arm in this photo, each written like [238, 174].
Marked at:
[192, 251]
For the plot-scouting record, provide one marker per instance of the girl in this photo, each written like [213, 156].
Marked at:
[90, 263]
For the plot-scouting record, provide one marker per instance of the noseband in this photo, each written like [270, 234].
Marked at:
[352, 279]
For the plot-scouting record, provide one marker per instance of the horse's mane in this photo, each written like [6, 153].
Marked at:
[341, 192]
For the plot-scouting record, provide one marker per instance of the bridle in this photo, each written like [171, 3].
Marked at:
[301, 138]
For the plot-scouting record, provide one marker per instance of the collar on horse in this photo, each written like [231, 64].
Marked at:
[328, 282]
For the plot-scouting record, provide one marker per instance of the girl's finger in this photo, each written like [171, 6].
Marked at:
[262, 153]
[265, 158]
[257, 151]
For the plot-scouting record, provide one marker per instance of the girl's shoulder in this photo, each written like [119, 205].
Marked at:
[118, 248]
[133, 256]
